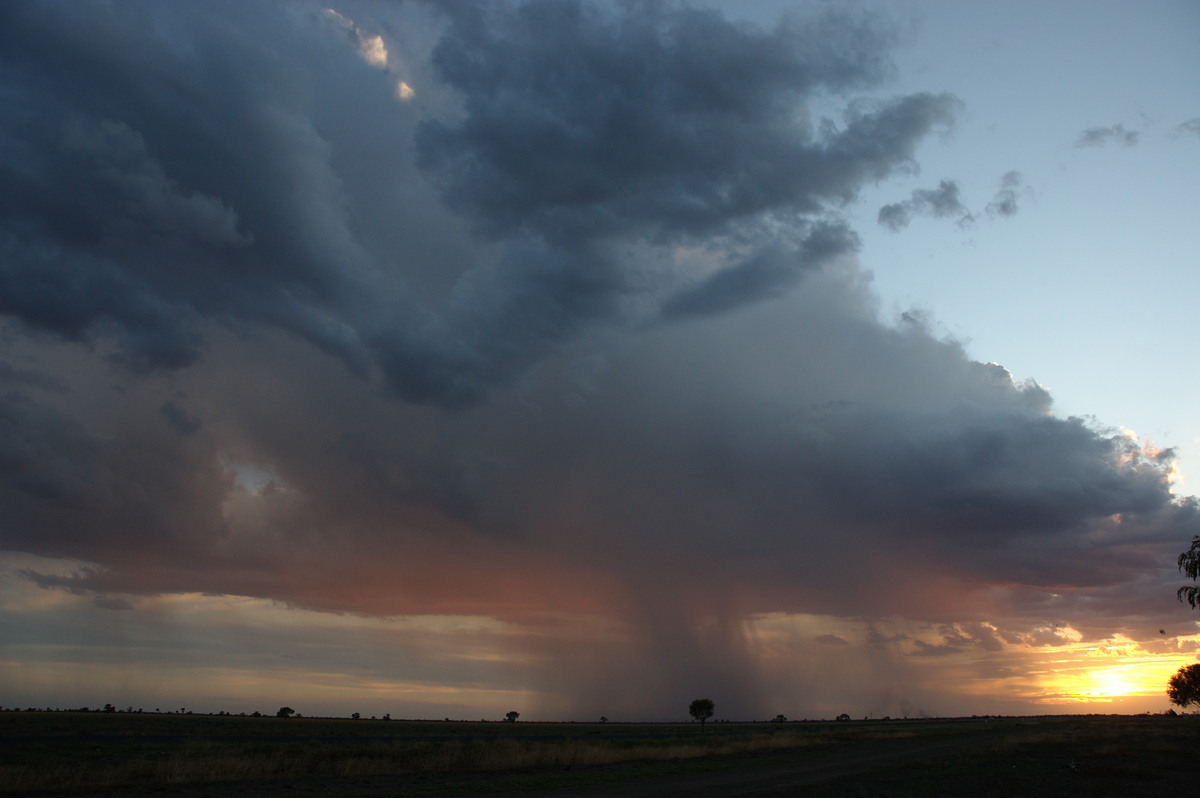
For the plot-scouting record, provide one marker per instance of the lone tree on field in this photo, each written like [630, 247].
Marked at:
[701, 709]
[1189, 563]
[1184, 687]
[511, 717]
[285, 712]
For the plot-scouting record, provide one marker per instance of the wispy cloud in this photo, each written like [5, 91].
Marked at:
[945, 201]
[1191, 127]
[1005, 201]
[1102, 136]
[940, 202]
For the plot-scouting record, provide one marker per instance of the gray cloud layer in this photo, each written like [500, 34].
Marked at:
[578, 327]
[668, 126]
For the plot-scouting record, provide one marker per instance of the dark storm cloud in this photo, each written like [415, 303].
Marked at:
[12, 377]
[578, 122]
[178, 418]
[154, 186]
[771, 271]
[165, 172]
[939, 202]
[71, 493]
[1100, 136]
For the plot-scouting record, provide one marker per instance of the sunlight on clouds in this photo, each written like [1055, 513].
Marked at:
[1044, 665]
[371, 48]
[1151, 452]
[373, 51]
[1120, 680]
[1115, 668]
[255, 478]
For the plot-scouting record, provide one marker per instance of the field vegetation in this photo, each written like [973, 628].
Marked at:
[95, 753]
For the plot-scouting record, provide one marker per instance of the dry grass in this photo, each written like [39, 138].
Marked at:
[525, 754]
[58, 753]
[70, 764]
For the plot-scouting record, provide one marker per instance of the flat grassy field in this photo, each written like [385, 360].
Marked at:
[65, 753]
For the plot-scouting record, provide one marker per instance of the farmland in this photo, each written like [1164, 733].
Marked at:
[69, 753]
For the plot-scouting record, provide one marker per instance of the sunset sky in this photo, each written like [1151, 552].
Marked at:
[582, 359]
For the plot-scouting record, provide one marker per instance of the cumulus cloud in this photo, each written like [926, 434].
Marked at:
[1101, 136]
[572, 337]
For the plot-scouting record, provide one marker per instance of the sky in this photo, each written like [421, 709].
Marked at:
[582, 359]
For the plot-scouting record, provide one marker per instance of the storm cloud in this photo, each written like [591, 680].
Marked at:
[572, 326]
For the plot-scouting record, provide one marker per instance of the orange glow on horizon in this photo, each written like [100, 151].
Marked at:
[1130, 672]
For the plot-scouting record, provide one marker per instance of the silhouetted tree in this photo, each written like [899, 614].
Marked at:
[701, 709]
[780, 719]
[603, 719]
[1184, 687]
[511, 717]
[1189, 563]
[285, 712]
[843, 716]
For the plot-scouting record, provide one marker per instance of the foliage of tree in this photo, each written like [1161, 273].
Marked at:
[1184, 687]
[285, 712]
[511, 717]
[1189, 563]
[701, 709]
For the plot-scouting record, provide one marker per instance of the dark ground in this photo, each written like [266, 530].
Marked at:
[1052, 756]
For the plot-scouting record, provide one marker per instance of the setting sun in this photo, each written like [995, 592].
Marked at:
[1117, 681]
[1137, 674]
